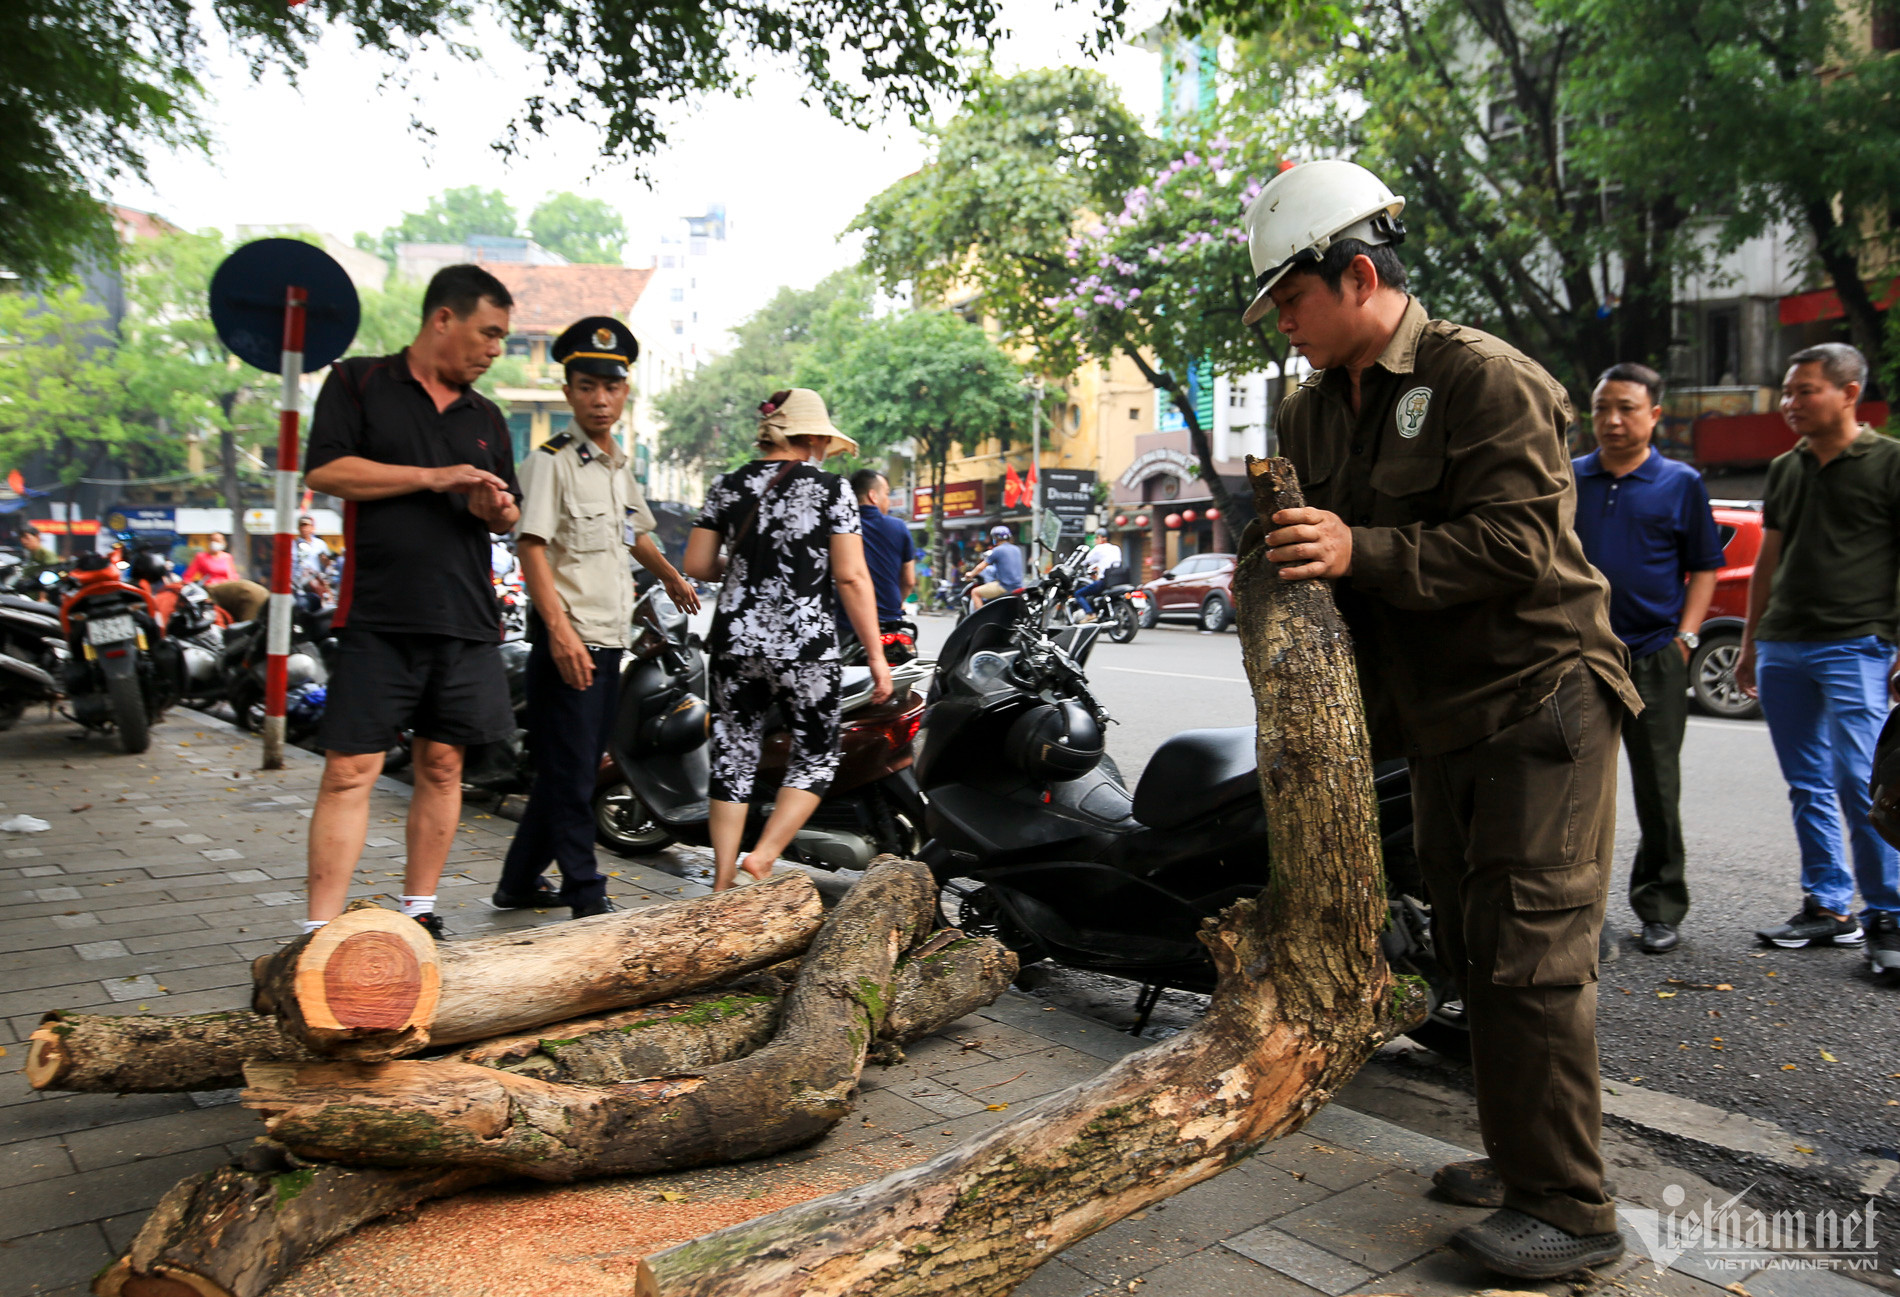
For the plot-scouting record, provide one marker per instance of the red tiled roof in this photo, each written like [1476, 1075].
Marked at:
[549, 298]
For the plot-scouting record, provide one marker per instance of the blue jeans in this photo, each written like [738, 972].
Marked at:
[1825, 701]
[1082, 595]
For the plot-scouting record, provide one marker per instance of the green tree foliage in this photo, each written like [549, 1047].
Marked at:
[711, 416]
[1024, 160]
[1465, 108]
[88, 86]
[932, 378]
[1166, 280]
[1009, 211]
[584, 230]
[452, 216]
[61, 391]
[1752, 112]
[1568, 162]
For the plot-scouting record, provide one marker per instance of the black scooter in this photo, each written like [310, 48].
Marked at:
[1035, 834]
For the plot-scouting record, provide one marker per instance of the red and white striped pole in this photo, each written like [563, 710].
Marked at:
[277, 664]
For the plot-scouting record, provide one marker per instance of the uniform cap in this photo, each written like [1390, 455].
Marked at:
[599, 345]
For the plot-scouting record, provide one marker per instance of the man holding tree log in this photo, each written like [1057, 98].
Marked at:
[1441, 504]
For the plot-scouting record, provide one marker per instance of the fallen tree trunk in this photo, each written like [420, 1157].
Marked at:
[140, 1053]
[235, 1231]
[1303, 997]
[791, 1091]
[515, 981]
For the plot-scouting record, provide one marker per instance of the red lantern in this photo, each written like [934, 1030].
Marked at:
[1188, 515]
[1121, 520]
[1213, 515]
[1172, 520]
[1141, 520]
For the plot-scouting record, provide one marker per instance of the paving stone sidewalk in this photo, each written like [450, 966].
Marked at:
[164, 874]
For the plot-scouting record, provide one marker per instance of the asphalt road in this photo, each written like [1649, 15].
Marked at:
[1760, 1047]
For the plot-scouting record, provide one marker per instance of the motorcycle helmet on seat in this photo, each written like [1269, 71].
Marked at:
[150, 567]
[1054, 742]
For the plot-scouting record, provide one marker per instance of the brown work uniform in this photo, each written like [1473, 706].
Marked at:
[1486, 658]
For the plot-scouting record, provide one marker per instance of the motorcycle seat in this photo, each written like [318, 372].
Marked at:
[1194, 772]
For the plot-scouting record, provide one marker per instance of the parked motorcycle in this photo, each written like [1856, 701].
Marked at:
[244, 659]
[1041, 843]
[658, 750]
[120, 673]
[32, 655]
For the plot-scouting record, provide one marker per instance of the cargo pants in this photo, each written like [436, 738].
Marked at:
[1515, 835]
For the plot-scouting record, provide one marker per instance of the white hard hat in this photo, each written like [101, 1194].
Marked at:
[1304, 209]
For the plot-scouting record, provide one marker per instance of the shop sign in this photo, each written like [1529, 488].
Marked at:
[960, 500]
[1175, 463]
[1069, 492]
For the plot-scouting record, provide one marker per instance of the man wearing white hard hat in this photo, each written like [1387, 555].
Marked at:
[1439, 504]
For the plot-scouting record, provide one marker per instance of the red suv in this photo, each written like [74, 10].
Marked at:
[1712, 666]
[1199, 586]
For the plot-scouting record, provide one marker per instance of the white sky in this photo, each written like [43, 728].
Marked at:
[337, 153]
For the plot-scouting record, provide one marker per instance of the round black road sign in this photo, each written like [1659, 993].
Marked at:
[247, 303]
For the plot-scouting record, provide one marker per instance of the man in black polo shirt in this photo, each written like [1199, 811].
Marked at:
[425, 467]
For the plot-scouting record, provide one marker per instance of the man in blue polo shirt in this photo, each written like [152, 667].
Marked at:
[1645, 524]
[888, 551]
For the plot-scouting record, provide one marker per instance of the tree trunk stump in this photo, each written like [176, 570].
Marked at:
[1303, 997]
[516, 981]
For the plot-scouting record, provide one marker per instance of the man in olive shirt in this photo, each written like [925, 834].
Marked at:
[1440, 505]
[1819, 644]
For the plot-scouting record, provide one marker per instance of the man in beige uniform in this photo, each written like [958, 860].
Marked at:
[1440, 506]
[582, 512]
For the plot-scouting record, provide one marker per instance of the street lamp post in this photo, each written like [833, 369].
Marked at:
[1035, 474]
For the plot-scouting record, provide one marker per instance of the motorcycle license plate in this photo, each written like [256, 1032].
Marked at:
[110, 630]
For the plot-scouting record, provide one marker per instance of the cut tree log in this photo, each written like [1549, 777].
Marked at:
[235, 1231]
[791, 1091]
[141, 1053]
[347, 997]
[1303, 997]
[365, 984]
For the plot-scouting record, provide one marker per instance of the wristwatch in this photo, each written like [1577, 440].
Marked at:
[1689, 637]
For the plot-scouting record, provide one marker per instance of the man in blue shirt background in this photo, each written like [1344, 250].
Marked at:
[1645, 523]
[888, 551]
[1003, 566]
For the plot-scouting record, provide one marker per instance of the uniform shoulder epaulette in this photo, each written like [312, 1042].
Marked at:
[559, 442]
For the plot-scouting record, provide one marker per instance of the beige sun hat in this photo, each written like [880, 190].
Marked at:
[801, 413]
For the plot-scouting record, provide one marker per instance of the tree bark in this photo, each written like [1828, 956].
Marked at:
[520, 980]
[236, 1231]
[1303, 997]
[140, 1053]
[791, 1091]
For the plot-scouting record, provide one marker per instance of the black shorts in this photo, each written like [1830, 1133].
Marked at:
[442, 687]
